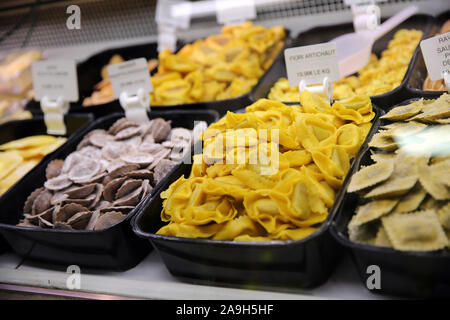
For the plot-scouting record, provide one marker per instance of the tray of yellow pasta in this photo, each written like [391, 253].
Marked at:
[24, 144]
[396, 215]
[419, 83]
[255, 205]
[384, 77]
[217, 72]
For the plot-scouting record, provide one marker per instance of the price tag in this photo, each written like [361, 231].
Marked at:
[436, 53]
[312, 63]
[55, 79]
[235, 11]
[175, 13]
[129, 77]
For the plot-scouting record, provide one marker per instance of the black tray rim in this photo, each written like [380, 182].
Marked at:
[346, 242]
[324, 227]
[133, 212]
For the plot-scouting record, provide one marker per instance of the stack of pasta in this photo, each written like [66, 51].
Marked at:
[20, 156]
[377, 77]
[271, 173]
[219, 67]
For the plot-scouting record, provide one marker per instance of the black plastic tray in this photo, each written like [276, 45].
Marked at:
[419, 70]
[326, 33]
[304, 263]
[116, 248]
[89, 76]
[408, 274]
[18, 129]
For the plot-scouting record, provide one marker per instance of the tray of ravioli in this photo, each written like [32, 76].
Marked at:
[75, 207]
[25, 143]
[236, 217]
[386, 73]
[398, 211]
[419, 81]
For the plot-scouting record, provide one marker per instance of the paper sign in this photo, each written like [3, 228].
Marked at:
[129, 77]
[54, 79]
[229, 11]
[312, 63]
[436, 53]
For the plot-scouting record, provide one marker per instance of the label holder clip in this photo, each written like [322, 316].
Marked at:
[325, 89]
[54, 111]
[136, 106]
[366, 17]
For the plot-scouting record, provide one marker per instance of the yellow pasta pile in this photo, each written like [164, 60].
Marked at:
[283, 193]
[20, 156]
[377, 77]
[219, 67]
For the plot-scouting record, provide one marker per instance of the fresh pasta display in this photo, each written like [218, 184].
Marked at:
[218, 67]
[271, 173]
[406, 192]
[379, 76]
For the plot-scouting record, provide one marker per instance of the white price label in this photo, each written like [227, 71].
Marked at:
[129, 77]
[436, 53]
[55, 79]
[312, 63]
[175, 13]
[230, 11]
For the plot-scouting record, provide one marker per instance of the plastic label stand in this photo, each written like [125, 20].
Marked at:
[366, 17]
[167, 38]
[136, 106]
[325, 90]
[54, 111]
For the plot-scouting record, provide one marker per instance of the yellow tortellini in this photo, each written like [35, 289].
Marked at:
[377, 77]
[219, 67]
[271, 173]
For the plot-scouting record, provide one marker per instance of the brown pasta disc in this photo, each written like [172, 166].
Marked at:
[93, 220]
[151, 148]
[134, 142]
[54, 168]
[100, 139]
[72, 160]
[80, 220]
[45, 224]
[159, 129]
[97, 178]
[58, 183]
[140, 174]
[127, 133]
[371, 175]
[109, 192]
[120, 125]
[98, 195]
[146, 188]
[127, 187]
[162, 169]
[84, 170]
[113, 151]
[41, 203]
[30, 200]
[81, 192]
[142, 159]
[122, 170]
[91, 152]
[131, 199]
[108, 219]
[67, 211]
[62, 226]
[163, 154]
[123, 209]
